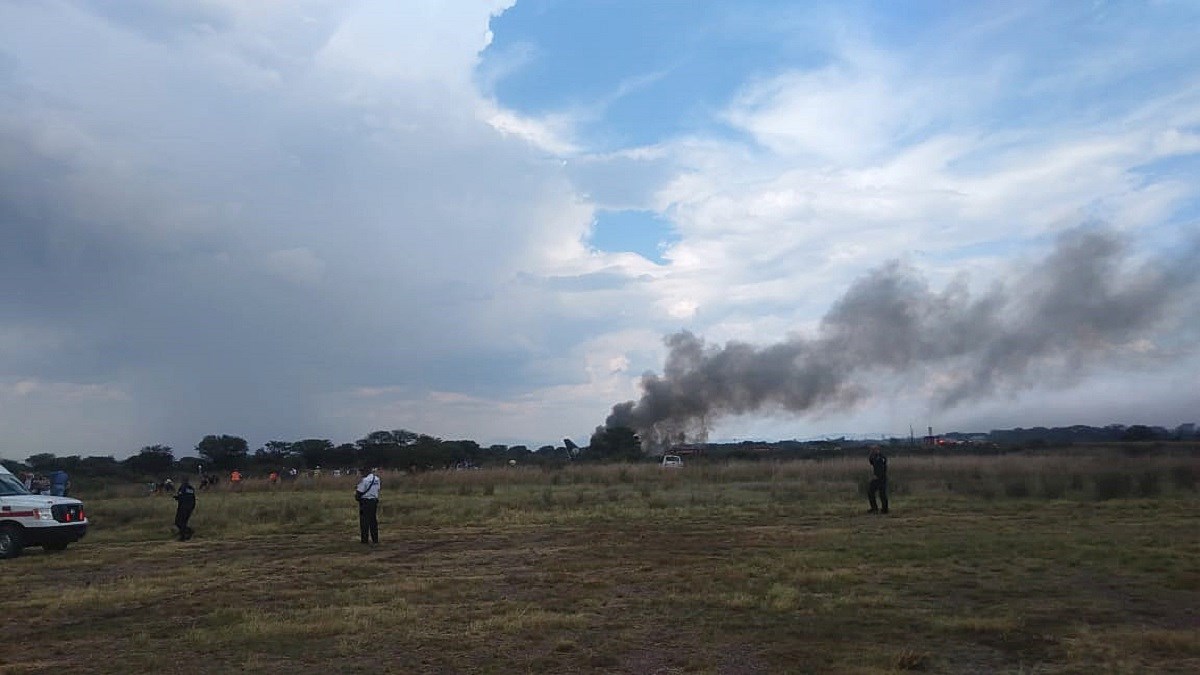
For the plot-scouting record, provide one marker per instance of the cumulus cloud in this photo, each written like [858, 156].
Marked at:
[155, 194]
[313, 219]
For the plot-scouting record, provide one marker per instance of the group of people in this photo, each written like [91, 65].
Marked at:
[57, 484]
[366, 493]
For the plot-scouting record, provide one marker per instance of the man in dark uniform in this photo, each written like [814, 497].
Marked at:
[186, 496]
[879, 482]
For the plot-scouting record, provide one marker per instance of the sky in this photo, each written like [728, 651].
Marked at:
[484, 219]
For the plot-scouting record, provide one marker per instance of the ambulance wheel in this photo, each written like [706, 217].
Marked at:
[10, 541]
[58, 546]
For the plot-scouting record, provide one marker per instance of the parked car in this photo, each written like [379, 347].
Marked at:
[672, 462]
[28, 519]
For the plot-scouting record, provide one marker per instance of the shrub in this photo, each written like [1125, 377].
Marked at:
[1113, 485]
[1054, 487]
[1184, 478]
[1016, 488]
[1148, 485]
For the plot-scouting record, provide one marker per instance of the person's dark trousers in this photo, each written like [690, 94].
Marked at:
[182, 515]
[368, 522]
[878, 486]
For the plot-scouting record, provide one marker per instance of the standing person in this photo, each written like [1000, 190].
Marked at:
[235, 479]
[879, 482]
[186, 496]
[59, 483]
[367, 494]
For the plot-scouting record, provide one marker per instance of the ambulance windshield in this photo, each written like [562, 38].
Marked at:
[10, 486]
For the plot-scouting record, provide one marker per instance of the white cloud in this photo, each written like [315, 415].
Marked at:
[419, 42]
[431, 240]
[344, 152]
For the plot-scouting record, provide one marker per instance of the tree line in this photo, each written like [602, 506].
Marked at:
[395, 449]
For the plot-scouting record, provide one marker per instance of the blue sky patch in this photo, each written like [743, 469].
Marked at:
[642, 232]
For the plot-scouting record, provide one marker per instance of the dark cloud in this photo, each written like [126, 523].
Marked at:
[227, 235]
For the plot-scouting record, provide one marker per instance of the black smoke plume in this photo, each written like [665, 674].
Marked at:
[1088, 302]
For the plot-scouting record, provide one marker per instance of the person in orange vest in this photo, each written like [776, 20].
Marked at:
[274, 478]
[235, 479]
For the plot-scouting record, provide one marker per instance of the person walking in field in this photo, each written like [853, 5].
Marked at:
[186, 496]
[367, 494]
[235, 479]
[879, 482]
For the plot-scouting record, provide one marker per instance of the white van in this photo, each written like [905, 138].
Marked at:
[27, 519]
[672, 462]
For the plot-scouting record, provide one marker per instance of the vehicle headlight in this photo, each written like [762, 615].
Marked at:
[43, 514]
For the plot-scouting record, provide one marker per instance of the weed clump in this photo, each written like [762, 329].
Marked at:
[1113, 485]
[1148, 485]
[1053, 487]
[1184, 478]
[1016, 488]
[910, 659]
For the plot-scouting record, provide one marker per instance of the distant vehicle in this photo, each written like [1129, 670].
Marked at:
[27, 519]
[672, 462]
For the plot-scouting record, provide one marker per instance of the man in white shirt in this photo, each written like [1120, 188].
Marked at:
[367, 494]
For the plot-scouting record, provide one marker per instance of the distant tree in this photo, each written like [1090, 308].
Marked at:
[102, 466]
[42, 462]
[152, 460]
[223, 452]
[377, 438]
[345, 456]
[275, 449]
[14, 467]
[405, 437]
[70, 463]
[314, 451]
[446, 452]
[190, 465]
[275, 454]
[1139, 432]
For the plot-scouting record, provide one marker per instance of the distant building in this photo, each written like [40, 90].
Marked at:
[930, 439]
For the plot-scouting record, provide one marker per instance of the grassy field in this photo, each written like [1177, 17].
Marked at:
[1077, 564]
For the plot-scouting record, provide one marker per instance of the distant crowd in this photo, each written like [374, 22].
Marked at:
[235, 477]
[56, 483]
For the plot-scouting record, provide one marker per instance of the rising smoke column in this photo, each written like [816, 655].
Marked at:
[1085, 303]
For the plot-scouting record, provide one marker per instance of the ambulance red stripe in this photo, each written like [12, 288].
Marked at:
[17, 514]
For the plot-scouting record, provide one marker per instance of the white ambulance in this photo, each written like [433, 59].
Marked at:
[27, 519]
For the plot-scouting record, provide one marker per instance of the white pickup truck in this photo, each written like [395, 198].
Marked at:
[27, 519]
